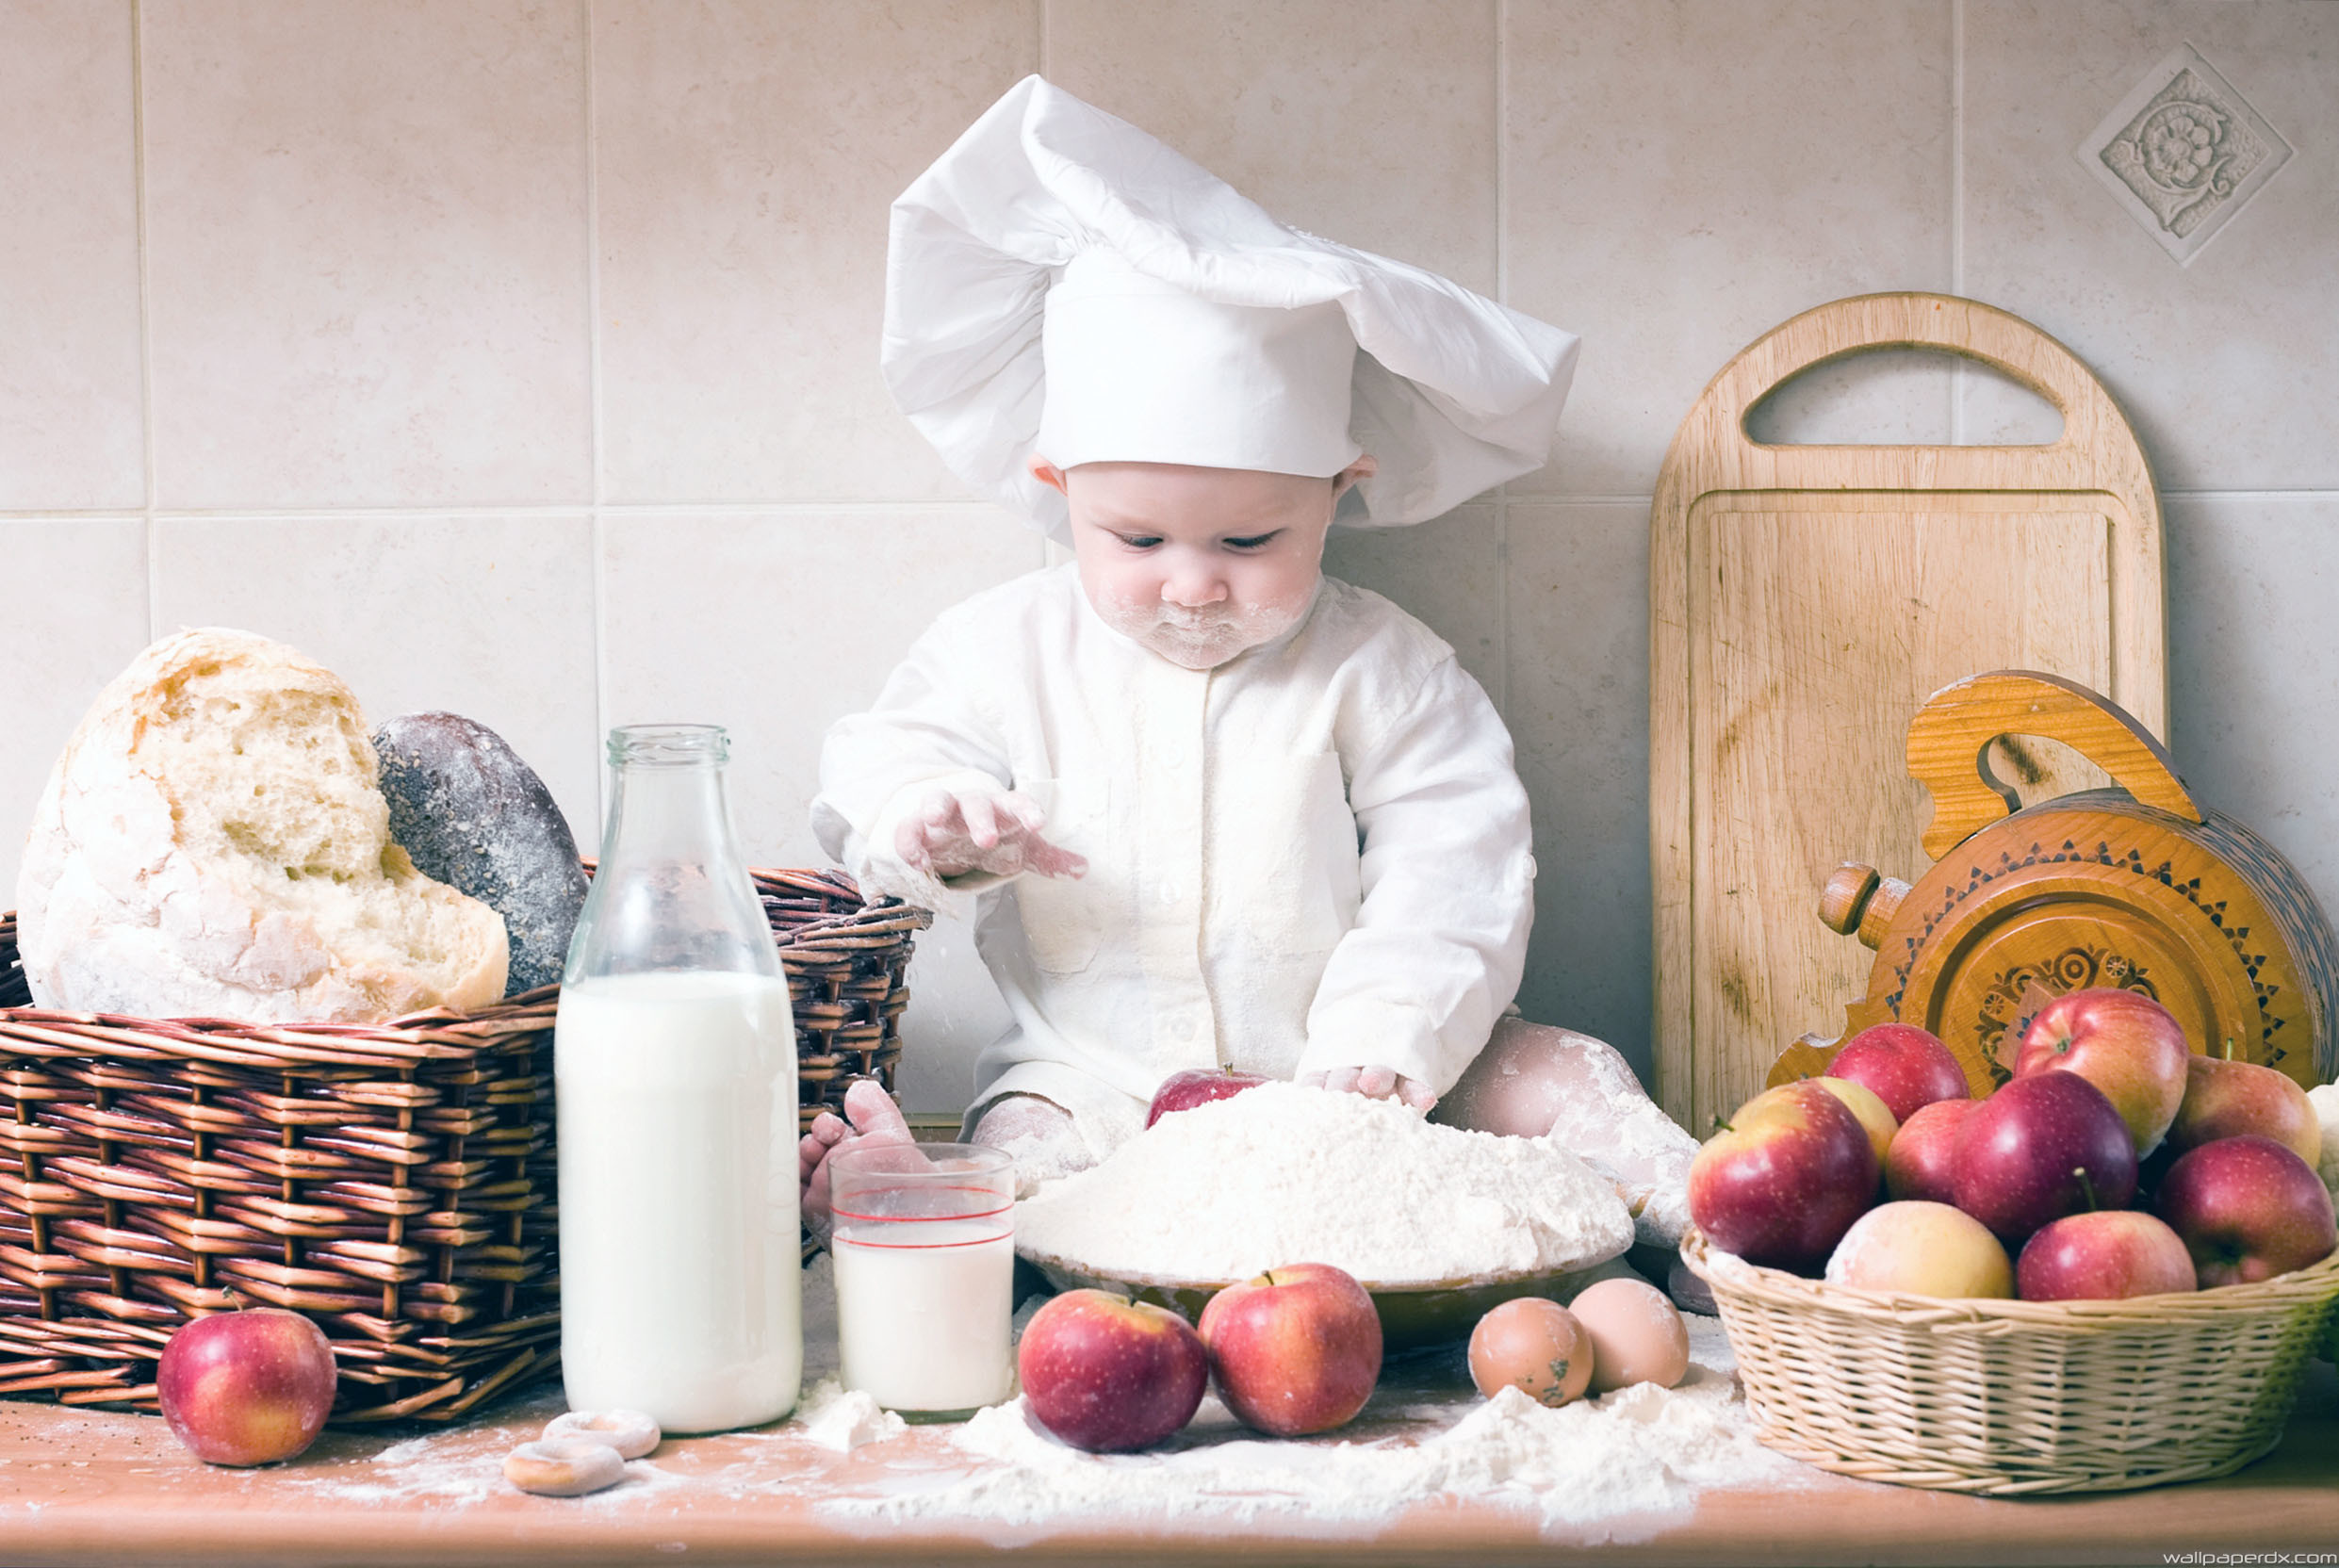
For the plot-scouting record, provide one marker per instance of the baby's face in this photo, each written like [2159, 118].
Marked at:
[1199, 565]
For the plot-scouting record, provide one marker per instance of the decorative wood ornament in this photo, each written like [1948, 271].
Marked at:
[2135, 887]
[1804, 601]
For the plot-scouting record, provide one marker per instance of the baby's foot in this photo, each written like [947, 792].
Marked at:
[871, 1119]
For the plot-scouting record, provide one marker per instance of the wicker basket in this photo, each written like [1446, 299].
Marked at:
[395, 1181]
[2017, 1398]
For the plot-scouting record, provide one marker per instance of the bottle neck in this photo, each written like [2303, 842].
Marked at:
[670, 813]
[672, 891]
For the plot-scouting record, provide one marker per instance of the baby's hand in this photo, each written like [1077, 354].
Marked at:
[956, 831]
[870, 1118]
[1373, 1083]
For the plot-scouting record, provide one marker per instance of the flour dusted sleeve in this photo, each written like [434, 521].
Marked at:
[1447, 887]
[929, 729]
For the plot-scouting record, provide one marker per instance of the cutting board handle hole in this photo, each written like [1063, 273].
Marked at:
[1903, 396]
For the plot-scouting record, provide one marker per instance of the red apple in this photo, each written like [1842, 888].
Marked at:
[1921, 1249]
[1295, 1350]
[246, 1387]
[1108, 1374]
[2224, 1099]
[1183, 1091]
[2125, 1044]
[2038, 1149]
[1876, 1118]
[1918, 1167]
[1785, 1178]
[1905, 1067]
[2103, 1255]
[2249, 1209]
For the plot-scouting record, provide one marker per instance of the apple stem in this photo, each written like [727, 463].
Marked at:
[2086, 1186]
[1722, 1126]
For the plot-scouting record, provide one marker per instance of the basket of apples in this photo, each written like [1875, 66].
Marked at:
[2107, 1273]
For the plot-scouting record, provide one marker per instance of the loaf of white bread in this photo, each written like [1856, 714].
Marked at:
[212, 843]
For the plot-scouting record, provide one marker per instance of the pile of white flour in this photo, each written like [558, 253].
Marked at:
[1281, 1174]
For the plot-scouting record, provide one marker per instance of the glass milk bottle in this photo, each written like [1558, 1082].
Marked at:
[675, 1073]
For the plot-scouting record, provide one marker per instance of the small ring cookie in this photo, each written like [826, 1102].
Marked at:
[563, 1467]
[628, 1432]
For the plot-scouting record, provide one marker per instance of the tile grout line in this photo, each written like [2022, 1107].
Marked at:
[597, 531]
[330, 512]
[146, 314]
[938, 511]
[1502, 292]
[1959, 385]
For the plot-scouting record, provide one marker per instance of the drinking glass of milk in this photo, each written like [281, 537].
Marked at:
[675, 1070]
[924, 1251]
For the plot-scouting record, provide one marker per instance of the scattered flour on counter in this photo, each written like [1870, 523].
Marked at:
[444, 1468]
[1619, 1467]
[835, 1419]
[1281, 1174]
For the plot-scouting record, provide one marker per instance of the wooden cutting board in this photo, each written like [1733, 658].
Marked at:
[1805, 600]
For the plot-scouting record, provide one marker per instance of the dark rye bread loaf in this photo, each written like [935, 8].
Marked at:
[474, 816]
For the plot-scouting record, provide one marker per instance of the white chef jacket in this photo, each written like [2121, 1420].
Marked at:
[1314, 856]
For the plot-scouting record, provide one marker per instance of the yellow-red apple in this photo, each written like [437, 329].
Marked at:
[1785, 1177]
[1294, 1350]
[1918, 1164]
[2125, 1044]
[1108, 1374]
[2041, 1148]
[1921, 1249]
[1905, 1067]
[2224, 1099]
[2249, 1209]
[1183, 1091]
[2103, 1255]
[246, 1387]
[1877, 1118]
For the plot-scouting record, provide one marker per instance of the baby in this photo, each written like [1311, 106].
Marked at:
[1211, 806]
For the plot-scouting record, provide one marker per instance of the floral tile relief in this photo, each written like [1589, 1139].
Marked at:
[2183, 153]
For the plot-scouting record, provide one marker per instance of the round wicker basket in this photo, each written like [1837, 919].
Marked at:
[2017, 1398]
[395, 1181]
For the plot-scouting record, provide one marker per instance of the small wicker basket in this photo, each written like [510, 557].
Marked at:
[395, 1183]
[2017, 1398]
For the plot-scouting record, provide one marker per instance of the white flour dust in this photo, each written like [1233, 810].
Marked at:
[1622, 1467]
[1281, 1174]
[1619, 1467]
[836, 1419]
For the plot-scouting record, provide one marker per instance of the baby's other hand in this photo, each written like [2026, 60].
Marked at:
[956, 831]
[1373, 1083]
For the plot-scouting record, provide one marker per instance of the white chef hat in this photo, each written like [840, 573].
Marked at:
[1059, 283]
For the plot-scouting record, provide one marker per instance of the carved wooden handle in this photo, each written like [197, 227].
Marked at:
[1913, 320]
[1947, 738]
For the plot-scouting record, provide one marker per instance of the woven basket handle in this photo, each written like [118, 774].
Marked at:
[1950, 733]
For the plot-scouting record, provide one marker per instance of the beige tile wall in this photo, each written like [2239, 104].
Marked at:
[519, 357]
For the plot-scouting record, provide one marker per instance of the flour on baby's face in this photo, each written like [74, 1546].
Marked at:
[1197, 565]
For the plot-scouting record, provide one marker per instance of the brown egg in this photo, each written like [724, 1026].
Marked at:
[1637, 1335]
[1534, 1346]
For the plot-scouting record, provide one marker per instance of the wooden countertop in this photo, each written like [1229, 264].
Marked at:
[84, 1487]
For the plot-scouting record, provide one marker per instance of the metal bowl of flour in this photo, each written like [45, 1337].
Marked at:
[1411, 1315]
